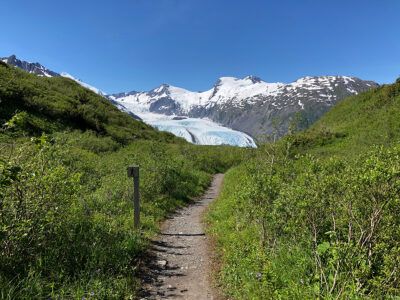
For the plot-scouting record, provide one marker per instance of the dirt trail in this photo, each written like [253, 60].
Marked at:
[179, 267]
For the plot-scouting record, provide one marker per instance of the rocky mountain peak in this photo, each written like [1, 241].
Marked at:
[253, 79]
[218, 83]
[248, 104]
[12, 58]
[164, 88]
[35, 68]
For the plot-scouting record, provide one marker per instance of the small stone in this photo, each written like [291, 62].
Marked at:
[162, 263]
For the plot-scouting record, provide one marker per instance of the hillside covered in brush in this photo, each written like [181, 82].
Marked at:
[58, 103]
[66, 219]
[316, 214]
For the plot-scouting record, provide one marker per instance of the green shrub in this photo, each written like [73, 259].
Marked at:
[311, 228]
[66, 220]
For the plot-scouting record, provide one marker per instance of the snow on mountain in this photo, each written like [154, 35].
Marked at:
[29, 67]
[232, 106]
[194, 130]
[38, 69]
[225, 89]
[88, 86]
[249, 104]
[236, 91]
[199, 131]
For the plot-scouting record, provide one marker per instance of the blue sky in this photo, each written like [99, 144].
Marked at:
[139, 44]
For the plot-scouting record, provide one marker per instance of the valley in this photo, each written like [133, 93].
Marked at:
[234, 111]
[307, 214]
[66, 201]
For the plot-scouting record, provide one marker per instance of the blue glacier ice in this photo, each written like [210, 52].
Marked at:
[194, 130]
[203, 132]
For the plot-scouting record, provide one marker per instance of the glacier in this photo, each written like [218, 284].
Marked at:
[168, 107]
[197, 131]
[194, 130]
[200, 131]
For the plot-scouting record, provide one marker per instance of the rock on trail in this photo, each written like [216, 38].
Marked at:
[179, 268]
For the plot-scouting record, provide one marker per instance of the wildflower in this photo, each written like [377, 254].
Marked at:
[91, 293]
[83, 298]
[302, 281]
[98, 292]
[258, 274]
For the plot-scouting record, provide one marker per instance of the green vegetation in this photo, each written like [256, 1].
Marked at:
[54, 104]
[66, 219]
[317, 214]
[355, 124]
[313, 215]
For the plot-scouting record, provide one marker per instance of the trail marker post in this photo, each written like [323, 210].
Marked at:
[133, 171]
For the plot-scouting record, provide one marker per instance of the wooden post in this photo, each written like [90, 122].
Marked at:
[133, 171]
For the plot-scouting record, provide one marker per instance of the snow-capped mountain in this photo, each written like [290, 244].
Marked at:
[168, 99]
[29, 67]
[249, 104]
[38, 69]
[198, 131]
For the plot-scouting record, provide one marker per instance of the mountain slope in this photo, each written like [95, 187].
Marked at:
[249, 104]
[356, 123]
[197, 131]
[38, 69]
[68, 188]
[53, 104]
[29, 67]
[88, 86]
[322, 220]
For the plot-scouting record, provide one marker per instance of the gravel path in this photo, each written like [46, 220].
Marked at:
[179, 267]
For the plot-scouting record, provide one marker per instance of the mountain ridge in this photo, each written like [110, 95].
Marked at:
[35, 68]
[197, 131]
[38, 104]
[249, 104]
[40, 70]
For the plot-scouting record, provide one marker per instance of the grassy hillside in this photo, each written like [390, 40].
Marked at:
[66, 219]
[58, 103]
[316, 215]
[356, 123]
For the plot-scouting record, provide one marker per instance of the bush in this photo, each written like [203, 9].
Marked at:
[66, 220]
[311, 228]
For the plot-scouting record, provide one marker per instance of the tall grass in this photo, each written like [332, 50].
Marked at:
[316, 214]
[66, 222]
